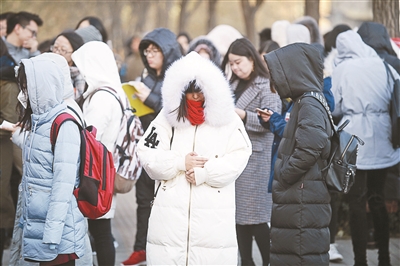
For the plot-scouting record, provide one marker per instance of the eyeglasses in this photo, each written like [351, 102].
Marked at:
[151, 52]
[34, 33]
[60, 50]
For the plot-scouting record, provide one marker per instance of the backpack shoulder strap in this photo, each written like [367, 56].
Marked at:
[55, 127]
[113, 93]
[322, 101]
[388, 70]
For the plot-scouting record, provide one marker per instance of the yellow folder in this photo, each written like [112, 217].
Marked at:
[136, 103]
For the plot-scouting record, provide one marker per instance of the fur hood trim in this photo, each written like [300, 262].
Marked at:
[218, 107]
[328, 62]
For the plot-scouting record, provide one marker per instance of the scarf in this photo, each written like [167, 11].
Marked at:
[195, 112]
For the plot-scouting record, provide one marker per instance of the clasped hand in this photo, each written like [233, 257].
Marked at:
[192, 160]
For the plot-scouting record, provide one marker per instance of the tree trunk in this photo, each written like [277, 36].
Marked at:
[116, 27]
[140, 10]
[186, 13]
[163, 8]
[249, 14]
[312, 9]
[387, 13]
[212, 18]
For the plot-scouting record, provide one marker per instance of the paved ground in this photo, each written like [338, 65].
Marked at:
[124, 230]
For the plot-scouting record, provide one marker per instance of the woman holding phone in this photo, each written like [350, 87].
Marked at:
[250, 83]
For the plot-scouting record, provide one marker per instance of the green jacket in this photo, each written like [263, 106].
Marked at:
[8, 102]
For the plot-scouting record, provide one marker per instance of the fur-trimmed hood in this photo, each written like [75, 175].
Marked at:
[218, 107]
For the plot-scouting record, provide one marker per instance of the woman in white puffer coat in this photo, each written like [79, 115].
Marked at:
[195, 149]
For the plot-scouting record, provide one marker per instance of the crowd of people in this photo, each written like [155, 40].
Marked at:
[231, 153]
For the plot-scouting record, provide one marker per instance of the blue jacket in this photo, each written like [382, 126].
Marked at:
[52, 223]
[278, 122]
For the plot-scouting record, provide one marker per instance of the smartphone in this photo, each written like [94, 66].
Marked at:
[263, 111]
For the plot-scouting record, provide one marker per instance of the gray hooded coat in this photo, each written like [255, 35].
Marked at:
[301, 212]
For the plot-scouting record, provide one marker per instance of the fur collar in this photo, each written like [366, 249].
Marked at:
[219, 106]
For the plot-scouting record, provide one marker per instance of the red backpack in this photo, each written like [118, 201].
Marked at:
[97, 173]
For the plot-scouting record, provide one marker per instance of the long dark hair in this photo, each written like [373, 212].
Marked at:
[244, 47]
[26, 120]
[182, 109]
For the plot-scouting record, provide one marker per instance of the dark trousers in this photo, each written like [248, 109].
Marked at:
[245, 233]
[369, 186]
[144, 195]
[100, 229]
[334, 218]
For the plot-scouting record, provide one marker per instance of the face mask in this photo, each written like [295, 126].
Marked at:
[22, 99]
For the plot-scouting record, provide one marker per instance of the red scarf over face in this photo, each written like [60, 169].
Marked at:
[195, 112]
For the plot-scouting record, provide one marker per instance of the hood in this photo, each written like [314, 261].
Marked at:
[350, 46]
[278, 32]
[313, 28]
[45, 83]
[222, 36]
[63, 64]
[297, 33]
[166, 40]
[218, 107]
[376, 35]
[96, 63]
[328, 62]
[202, 41]
[295, 69]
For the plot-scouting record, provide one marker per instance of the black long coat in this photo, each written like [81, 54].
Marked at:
[301, 211]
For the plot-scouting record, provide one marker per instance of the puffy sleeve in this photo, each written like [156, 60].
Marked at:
[221, 171]
[159, 161]
[65, 170]
[311, 138]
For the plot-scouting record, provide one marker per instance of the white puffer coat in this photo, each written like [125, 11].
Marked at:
[194, 224]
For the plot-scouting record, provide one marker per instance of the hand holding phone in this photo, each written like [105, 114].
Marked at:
[266, 111]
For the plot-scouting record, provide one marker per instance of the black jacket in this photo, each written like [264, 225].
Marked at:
[301, 211]
[375, 35]
[166, 40]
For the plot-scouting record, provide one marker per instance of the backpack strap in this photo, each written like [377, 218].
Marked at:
[55, 127]
[321, 99]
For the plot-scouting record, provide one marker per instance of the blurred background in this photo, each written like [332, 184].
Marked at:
[123, 18]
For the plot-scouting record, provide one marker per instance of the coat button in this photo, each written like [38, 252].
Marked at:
[216, 156]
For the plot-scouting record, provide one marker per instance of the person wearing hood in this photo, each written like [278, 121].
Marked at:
[362, 94]
[299, 190]
[376, 35]
[95, 61]
[73, 109]
[158, 50]
[250, 85]
[205, 48]
[54, 229]
[312, 26]
[195, 148]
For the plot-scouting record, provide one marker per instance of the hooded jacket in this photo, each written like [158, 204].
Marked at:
[376, 35]
[95, 60]
[52, 223]
[203, 43]
[166, 40]
[362, 89]
[301, 212]
[194, 224]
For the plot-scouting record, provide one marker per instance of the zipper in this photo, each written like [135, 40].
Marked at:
[104, 167]
[345, 150]
[190, 200]
[31, 142]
